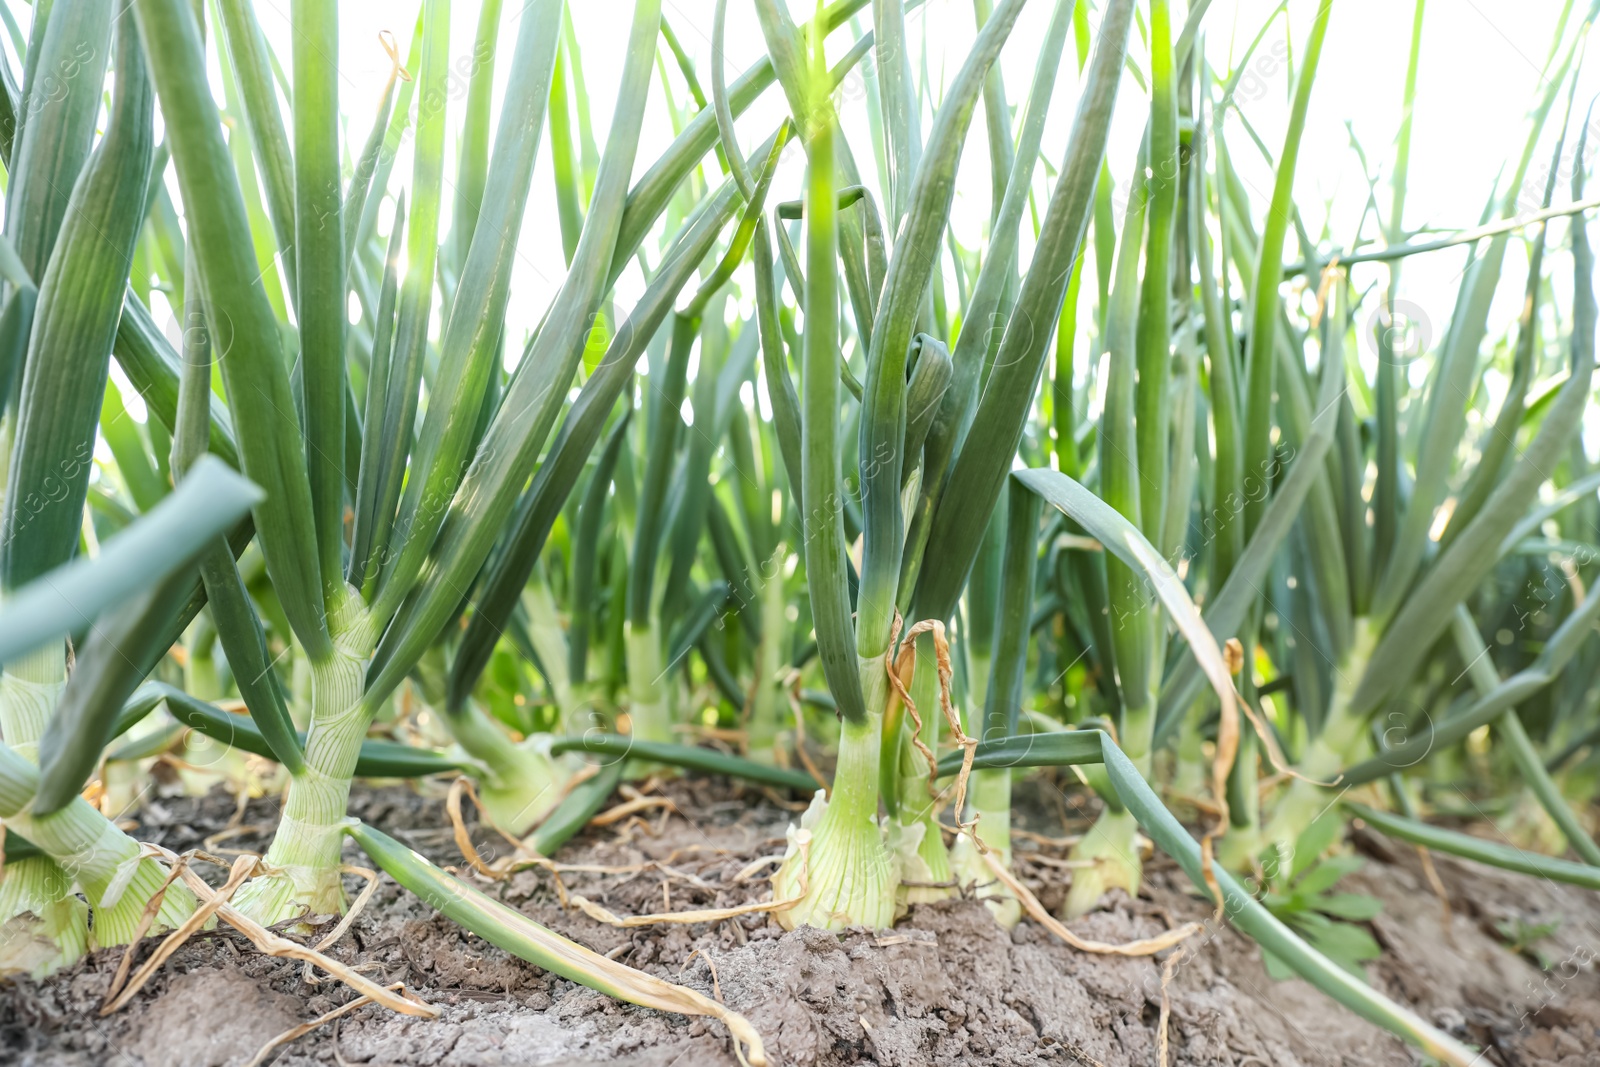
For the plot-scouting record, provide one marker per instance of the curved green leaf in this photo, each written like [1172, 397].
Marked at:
[1466, 846]
[1250, 916]
[121, 649]
[522, 937]
[70, 598]
[1102, 522]
[581, 804]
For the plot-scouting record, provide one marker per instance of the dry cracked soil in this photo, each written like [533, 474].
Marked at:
[945, 986]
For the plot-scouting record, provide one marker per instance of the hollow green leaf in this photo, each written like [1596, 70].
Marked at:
[563, 160]
[80, 299]
[1250, 916]
[666, 396]
[360, 188]
[320, 267]
[1058, 749]
[250, 59]
[977, 473]
[63, 74]
[248, 340]
[530, 525]
[689, 757]
[360, 231]
[822, 484]
[1152, 400]
[470, 345]
[898, 106]
[723, 112]
[1013, 623]
[244, 643]
[472, 151]
[1495, 854]
[533, 398]
[362, 568]
[377, 759]
[682, 540]
[586, 551]
[398, 422]
[774, 358]
[68, 599]
[147, 358]
[515, 933]
[121, 648]
[924, 201]
[1261, 355]
[1133, 636]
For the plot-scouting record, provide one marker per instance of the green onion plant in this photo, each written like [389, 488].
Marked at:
[790, 482]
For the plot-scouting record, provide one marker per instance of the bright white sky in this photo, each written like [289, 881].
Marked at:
[1480, 68]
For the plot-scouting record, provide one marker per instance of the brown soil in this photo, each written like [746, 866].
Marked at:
[946, 986]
